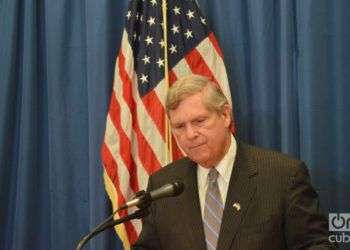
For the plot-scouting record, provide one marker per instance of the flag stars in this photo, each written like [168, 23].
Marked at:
[177, 10]
[144, 78]
[160, 62]
[149, 40]
[190, 14]
[173, 49]
[151, 21]
[145, 29]
[188, 34]
[146, 60]
[162, 43]
[175, 29]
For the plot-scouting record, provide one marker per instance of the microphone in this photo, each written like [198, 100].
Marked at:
[167, 190]
[142, 201]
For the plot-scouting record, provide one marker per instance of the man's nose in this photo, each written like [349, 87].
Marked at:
[191, 132]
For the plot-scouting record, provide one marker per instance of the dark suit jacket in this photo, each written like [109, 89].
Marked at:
[279, 207]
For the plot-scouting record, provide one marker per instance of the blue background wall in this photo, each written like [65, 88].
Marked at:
[289, 70]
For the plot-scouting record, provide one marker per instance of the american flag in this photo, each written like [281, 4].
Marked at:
[135, 143]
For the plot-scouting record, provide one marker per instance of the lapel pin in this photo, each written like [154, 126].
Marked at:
[237, 206]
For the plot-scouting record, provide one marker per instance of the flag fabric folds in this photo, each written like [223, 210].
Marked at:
[135, 143]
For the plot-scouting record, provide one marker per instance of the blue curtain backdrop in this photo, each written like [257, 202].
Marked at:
[289, 70]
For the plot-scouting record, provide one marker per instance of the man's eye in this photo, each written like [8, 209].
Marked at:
[199, 121]
[180, 126]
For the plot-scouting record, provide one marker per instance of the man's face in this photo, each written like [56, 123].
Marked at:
[202, 134]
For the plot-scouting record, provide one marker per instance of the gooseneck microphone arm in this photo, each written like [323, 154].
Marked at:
[136, 215]
[142, 200]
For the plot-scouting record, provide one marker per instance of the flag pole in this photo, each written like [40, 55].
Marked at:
[168, 139]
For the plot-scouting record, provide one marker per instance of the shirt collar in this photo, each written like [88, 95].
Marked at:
[224, 167]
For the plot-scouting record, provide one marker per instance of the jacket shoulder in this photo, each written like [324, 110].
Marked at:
[266, 160]
[174, 171]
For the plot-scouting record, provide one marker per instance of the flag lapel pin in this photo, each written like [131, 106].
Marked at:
[236, 206]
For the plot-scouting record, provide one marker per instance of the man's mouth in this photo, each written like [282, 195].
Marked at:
[196, 146]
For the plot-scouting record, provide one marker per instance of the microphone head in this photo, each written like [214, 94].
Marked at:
[178, 188]
[167, 190]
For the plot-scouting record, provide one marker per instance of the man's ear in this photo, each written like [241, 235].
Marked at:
[227, 115]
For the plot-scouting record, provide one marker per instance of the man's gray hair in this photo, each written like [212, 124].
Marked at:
[213, 97]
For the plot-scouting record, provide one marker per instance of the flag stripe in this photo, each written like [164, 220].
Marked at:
[156, 145]
[215, 43]
[124, 142]
[111, 191]
[146, 124]
[112, 171]
[155, 110]
[172, 77]
[132, 235]
[125, 127]
[181, 69]
[216, 65]
[198, 64]
[177, 153]
[146, 154]
[124, 94]
[112, 142]
[120, 184]
[160, 91]
[114, 147]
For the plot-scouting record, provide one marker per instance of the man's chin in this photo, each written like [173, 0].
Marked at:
[203, 162]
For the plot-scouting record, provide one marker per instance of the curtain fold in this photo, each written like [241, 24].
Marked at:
[57, 60]
[288, 64]
[323, 84]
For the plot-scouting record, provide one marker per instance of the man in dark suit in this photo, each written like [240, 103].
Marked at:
[236, 196]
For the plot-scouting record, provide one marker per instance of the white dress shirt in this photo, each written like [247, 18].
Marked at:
[224, 168]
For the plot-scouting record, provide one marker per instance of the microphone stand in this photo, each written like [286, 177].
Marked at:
[110, 222]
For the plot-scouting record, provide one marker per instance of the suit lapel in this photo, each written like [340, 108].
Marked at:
[240, 192]
[192, 220]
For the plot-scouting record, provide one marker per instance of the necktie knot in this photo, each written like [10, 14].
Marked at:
[213, 175]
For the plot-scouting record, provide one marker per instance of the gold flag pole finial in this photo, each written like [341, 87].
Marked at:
[168, 139]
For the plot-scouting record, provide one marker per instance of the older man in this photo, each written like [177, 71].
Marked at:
[236, 196]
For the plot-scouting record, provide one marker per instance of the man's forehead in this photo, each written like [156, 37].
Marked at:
[183, 115]
[191, 100]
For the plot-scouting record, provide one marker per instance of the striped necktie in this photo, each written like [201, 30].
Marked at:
[213, 210]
